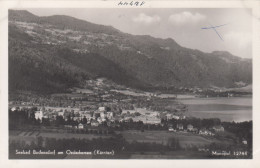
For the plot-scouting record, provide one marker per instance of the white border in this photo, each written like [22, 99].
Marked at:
[4, 162]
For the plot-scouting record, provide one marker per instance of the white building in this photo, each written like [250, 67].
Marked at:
[38, 115]
[171, 129]
[153, 120]
[171, 116]
[99, 120]
[176, 117]
[190, 127]
[101, 109]
[147, 119]
[61, 113]
[80, 126]
[244, 142]
[103, 115]
[13, 109]
[204, 131]
[94, 123]
[110, 115]
[218, 128]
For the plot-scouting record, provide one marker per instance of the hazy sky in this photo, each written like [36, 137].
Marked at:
[183, 25]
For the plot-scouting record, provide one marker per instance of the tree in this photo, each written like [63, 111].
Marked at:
[59, 121]
[46, 121]
[40, 142]
[84, 121]
[33, 145]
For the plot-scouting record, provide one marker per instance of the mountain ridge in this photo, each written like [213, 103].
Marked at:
[143, 61]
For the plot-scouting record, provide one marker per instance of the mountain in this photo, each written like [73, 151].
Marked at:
[57, 52]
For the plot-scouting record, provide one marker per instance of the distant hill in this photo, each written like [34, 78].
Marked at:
[57, 52]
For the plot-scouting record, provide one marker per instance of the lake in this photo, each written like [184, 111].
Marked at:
[227, 109]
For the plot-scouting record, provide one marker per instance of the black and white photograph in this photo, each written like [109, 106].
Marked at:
[130, 83]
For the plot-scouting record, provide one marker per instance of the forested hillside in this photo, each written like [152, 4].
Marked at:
[52, 54]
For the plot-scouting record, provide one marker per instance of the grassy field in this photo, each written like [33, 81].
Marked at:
[31, 135]
[170, 155]
[162, 137]
[159, 137]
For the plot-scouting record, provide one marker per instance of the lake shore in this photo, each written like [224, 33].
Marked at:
[227, 109]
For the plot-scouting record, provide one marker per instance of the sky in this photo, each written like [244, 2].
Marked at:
[184, 25]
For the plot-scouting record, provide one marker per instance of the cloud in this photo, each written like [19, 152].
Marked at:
[242, 39]
[143, 18]
[186, 17]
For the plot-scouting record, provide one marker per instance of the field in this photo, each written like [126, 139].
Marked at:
[31, 135]
[170, 155]
[162, 137]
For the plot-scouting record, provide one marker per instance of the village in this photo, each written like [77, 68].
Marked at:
[104, 118]
[104, 109]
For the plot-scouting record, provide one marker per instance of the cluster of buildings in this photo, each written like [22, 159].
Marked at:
[191, 128]
[75, 114]
[96, 115]
[173, 116]
[141, 114]
[102, 114]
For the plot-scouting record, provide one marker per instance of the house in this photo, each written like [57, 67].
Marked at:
[169, 116]
[171, 129]
[190, 127]
[153, 120]
[99, 119]
[244, 142]
[46, 116]
[204, 131]
[61, 113]
[38, 115]
[103, 115]
[110, 115]
[80, 126]
[128, 119]
[101, 109]
[176, 117]
[218, 128]
[13, 108]
[94, 123]
[180, 126]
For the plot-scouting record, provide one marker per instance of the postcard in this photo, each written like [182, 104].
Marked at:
[129, 82]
